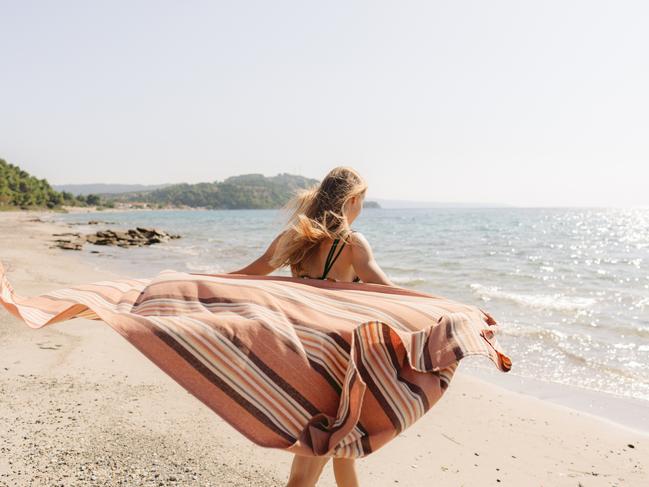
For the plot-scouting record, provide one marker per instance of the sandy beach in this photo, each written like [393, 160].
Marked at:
[80, 406]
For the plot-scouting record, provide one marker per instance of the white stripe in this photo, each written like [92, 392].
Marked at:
[330, 306]
[279, 320]
[379, 383]
[234, 384]
[33, 316]
[121, 285]
[327, 351]
[237, 354]
[388, 371]
[88, 298]
[403, 389]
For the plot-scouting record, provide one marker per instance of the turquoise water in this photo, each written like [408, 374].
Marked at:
[569, 287]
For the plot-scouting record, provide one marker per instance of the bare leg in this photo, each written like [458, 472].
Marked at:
[305, 471]
[345, 472]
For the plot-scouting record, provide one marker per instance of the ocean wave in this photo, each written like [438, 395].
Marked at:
[409, 281]
[627, 330]
[616, 368]
[555, 301]
[528, 331]
[569, 352]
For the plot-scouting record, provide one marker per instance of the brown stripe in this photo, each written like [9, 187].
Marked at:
[333, 429]
[386, 309]
[219, 299]
[275, 377]
[332, 380]
[216, 380]
[341, 342]
[366, 448]
[397, 366]
[376, 392]
[449, 327]
[428, 361]
[328, 377]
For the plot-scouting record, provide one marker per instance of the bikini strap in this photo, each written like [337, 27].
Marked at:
[330, 262]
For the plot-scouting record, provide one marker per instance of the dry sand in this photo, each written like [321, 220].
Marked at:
[80, 406]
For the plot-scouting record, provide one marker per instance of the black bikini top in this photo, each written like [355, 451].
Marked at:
[330, 262]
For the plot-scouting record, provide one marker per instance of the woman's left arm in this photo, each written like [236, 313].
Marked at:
[261, 266]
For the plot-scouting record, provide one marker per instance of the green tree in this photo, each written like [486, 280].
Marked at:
[19, 188]
[93, 199]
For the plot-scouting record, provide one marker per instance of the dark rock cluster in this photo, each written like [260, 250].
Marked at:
[134, 237]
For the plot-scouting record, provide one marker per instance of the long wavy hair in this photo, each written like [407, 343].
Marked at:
[317, 214]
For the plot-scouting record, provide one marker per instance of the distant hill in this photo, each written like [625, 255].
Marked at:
[19, 189]
[106, 188]
[236, 192]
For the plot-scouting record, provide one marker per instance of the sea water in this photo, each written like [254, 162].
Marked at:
[569, 287]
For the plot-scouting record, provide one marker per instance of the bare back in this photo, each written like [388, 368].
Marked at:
[333, 259]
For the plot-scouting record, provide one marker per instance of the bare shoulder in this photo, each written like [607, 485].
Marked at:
[357, 237]
[360, 242]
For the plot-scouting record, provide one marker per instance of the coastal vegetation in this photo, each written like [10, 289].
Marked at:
[246, 191]
[236, 192]
[19, 189]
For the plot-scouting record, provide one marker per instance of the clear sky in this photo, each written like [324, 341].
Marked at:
[518, 102]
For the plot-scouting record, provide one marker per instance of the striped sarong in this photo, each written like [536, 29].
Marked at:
[308, 366]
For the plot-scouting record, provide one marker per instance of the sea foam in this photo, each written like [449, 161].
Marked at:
[555, 301]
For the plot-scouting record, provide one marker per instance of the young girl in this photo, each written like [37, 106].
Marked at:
[320, 244]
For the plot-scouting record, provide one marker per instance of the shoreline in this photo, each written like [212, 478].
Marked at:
[621, 411]
[546, 444]
[606, 406]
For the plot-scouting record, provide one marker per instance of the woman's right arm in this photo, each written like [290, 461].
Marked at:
[364, 264]
[261, 266]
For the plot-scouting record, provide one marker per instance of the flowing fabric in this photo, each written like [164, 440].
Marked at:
[313, 367]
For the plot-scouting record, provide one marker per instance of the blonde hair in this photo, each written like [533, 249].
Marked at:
[317, 214]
